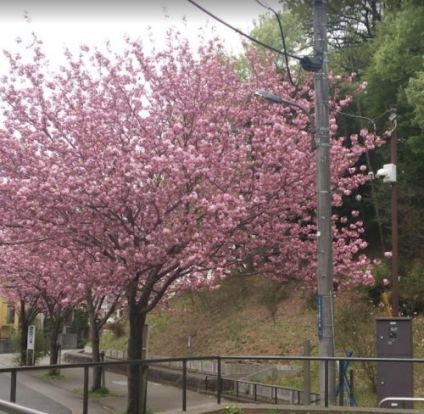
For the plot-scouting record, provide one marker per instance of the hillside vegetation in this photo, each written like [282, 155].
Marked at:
[255, 316]
[243, 316]
[252, 315]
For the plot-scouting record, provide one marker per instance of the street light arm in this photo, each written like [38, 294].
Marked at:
[270, 97]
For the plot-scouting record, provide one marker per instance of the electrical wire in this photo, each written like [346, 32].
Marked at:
[371, 121]
[283, 38]
[242, 33]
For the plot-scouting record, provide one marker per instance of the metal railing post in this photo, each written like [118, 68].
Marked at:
[255, 397]
[306, 395]
[184, 385]
[13, 386]
[341, 383]
[85, 392]
[351, 382]
[326, 382]
[218, 385]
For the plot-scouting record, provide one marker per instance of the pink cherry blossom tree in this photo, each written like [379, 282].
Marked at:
[168, 169]
[42, 274]
[101, 297]
[26, 301]
[53, 281]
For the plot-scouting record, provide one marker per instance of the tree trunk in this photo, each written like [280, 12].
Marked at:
[54, 345]
[135, 342]
[24, 333]
[95, 344]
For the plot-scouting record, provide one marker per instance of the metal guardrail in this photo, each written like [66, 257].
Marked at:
[219, 359]
[12, 408]
[401, 399]
[253, 391]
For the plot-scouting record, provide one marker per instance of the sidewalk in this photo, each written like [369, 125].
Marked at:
[68, 390]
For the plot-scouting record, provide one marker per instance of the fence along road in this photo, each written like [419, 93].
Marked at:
[34, 391]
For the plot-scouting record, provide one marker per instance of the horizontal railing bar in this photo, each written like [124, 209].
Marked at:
[316, 358]
[262, 384]
[106, 363]
[12, 408]
[402, 399]
[205, 358]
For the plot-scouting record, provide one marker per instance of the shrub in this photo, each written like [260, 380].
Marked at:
[231, 409]
[355, 330]
[40, 344]
[411, 291]
[117, 327]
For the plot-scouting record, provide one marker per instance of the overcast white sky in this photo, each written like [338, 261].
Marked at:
[61, 23]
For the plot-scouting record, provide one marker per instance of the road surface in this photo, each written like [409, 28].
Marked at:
[64, 395]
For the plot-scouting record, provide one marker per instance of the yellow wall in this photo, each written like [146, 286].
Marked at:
[7, 326]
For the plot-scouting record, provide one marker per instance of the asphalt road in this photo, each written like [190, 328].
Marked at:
[30, 398]
[64, 395]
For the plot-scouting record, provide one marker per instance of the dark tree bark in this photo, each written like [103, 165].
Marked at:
[23, 325]
[140, 302]
[95, 345]
[26, 317]
[135, 344]
[55, 328]
[96, 323]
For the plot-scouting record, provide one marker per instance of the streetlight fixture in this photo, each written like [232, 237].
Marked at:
[272, 98]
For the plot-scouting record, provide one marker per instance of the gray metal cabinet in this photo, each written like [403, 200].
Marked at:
[394, 379]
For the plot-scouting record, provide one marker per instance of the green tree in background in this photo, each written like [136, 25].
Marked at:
[394, 76]
[383, 42]
[415, 96]
[267, 30]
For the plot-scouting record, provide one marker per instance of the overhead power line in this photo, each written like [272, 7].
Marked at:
[283, 39]
[308, 63]
[370, 121]
[259, 42]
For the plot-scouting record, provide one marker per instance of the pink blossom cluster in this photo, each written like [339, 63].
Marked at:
[151, 174]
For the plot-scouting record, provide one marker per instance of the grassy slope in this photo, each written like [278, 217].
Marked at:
[258, 317]
[249, 315]
[235, 319]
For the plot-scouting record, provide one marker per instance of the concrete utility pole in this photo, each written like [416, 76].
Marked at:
[395, 231]
[325, 257]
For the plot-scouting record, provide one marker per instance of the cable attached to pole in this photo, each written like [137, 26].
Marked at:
[242, 33]
[283, 38]
[308, 63]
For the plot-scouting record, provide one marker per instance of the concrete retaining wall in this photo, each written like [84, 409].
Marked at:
[245, 390]
[164, 375]
[209, 367]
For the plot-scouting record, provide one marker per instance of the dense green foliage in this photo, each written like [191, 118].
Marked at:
[394, 74]
[40, 346]
[383, 42]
